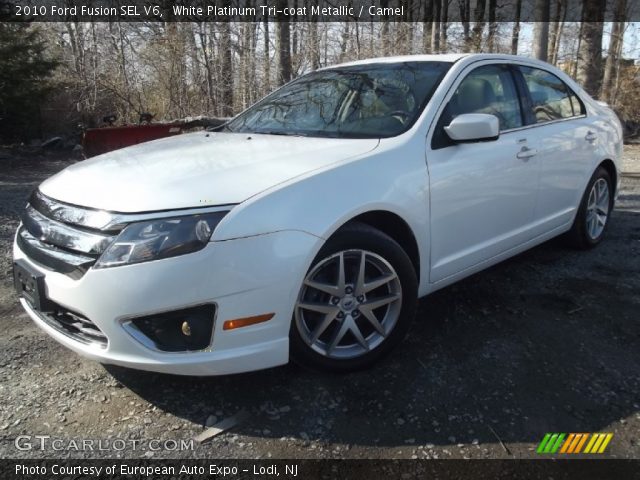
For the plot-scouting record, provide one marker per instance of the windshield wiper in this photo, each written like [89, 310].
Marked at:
[281, 132]
[223, 127]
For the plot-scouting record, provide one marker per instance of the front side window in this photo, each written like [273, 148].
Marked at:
[363, 101]
[489, 89]
[551, 98]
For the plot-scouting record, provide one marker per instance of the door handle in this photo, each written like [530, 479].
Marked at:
[590, 137]
[526, 153]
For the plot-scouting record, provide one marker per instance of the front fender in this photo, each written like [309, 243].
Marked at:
[393, 179]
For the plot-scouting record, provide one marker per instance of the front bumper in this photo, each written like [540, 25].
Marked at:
[242, 277]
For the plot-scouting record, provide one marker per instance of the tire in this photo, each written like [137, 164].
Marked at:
[326, 320]
[591, 222]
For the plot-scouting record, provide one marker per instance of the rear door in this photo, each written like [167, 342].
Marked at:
[482, 194]
[566, 143]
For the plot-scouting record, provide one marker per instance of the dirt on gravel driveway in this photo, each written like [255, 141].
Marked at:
[545, 342]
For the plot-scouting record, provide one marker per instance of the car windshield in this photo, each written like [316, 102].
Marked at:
[364, 101]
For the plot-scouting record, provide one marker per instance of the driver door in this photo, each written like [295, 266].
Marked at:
[482, 194]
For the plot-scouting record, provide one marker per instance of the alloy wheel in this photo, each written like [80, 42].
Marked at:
[349, 304]
[597, 208]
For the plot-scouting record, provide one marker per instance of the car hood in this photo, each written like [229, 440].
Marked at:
[194, 170]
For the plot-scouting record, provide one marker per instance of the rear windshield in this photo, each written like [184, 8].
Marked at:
[364, 101]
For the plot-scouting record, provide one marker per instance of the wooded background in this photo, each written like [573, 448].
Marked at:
[54, 76]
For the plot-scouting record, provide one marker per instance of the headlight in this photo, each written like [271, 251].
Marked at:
[160, 238]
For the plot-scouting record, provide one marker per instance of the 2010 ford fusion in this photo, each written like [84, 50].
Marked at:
[309, 225]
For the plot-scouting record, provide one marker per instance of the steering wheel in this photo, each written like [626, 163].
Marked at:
[400, 115]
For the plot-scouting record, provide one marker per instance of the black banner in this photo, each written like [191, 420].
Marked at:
[288, 10]
[558, 469]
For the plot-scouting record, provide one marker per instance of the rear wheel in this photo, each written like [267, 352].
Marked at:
[594, 212]
[356, 302]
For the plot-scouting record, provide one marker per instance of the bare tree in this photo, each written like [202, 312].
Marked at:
[226, 69]
[515, 32]
[444, 22]
[541, 29]
[283, 45]
[427, 26]
[478, 26]
[247, 48]
[577, 51]
[590, 51]
[266, 62]
[206, 48]
[405, 28]
[631, 75]
[435, 29]
[314, 45]
[464, 7]
[493, 26]
[344, 40]
[557, 28]
[615, 43]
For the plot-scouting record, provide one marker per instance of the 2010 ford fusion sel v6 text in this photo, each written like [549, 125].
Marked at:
[308, 226]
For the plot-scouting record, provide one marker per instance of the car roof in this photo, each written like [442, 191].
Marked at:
[448, 57]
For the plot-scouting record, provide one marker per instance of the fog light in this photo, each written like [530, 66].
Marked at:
[189, 329]
[186, 329]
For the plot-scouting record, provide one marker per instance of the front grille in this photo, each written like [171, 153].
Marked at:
[74, 325]
[70, 263]
[56, 236]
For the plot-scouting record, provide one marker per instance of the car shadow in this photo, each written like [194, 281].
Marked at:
[546, 341]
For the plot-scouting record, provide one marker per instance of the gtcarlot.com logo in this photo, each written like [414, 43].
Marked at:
[574, 443]
[46, 442]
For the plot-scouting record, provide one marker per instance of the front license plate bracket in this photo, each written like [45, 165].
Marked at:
[29, 284]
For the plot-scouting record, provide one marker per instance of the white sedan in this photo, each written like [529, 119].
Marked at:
[309, 225]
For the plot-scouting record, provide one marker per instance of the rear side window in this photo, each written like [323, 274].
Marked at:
[551, 98]
[576, 104]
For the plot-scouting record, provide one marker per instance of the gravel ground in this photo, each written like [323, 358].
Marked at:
[547, 341]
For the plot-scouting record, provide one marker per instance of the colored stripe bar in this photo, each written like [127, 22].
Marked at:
[556, 446]
[582, 441]
[593, 439]
[551, 443]
[596, 444]
[543, 443]
[567, 443]
[605, 442]
[574, 445]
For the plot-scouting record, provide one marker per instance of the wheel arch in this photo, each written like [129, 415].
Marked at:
[394, 226]
[610, 167]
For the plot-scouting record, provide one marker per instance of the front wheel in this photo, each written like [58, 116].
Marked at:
[356, 301]
[593, 214]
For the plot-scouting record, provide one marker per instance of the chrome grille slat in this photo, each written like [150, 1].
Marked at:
[53, 258]
[81, 320]
[62, 235]
[81, 328]
[69, 324]
[54, 235]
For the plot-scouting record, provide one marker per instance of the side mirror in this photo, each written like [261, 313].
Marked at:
[473, 127]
